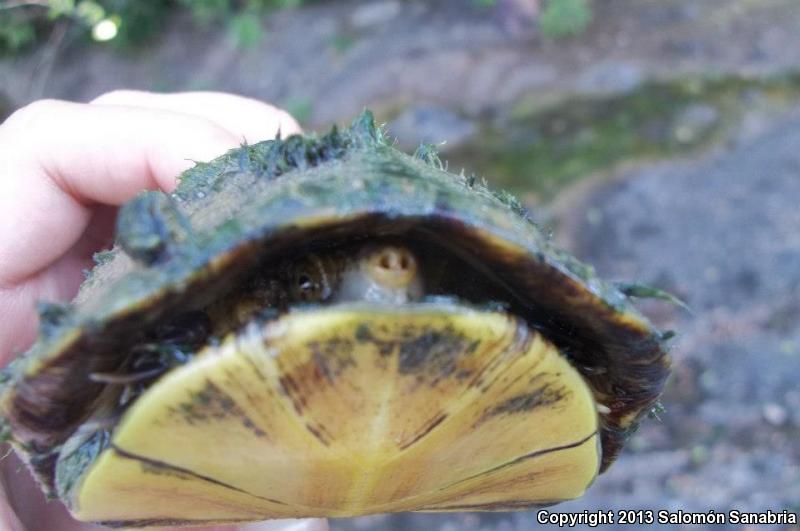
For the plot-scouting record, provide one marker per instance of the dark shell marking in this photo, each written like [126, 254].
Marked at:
[177, 253]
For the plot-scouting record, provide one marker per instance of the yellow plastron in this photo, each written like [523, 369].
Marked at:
[351, 410]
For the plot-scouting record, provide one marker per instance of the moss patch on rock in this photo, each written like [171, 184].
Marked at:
[536, 150]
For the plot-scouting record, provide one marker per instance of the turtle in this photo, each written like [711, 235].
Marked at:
[323, 325]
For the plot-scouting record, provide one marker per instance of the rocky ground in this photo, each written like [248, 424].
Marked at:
[717, 223]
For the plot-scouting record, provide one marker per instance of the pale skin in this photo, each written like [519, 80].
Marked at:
[64, 169]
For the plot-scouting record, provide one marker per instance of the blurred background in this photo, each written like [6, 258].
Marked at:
[657, 139]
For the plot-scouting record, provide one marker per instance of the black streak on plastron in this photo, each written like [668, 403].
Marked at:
[427, 353]
[318, 432]
[429, 427]
[364, 335]
[523, 338]
[545, 395]
[432, 353]
[532, 455]
[292, 390]
[256, 369]
[500, 486]
[212, 403]
[505, 505]
[163, 522]
[332, 356]
[154, 464]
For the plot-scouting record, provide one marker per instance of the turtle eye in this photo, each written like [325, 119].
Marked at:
[306, 286]
[309, 282]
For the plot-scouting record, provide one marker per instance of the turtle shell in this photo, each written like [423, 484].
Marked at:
[177, 253]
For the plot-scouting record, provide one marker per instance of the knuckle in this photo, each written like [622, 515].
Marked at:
[115, 96]
[34, 113]
[287, 121]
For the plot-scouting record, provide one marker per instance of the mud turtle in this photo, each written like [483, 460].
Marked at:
[328, 327]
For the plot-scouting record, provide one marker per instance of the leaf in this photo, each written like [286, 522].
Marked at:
[656, 411]
[90, 13]
[59, 8]
[644, 291]
[245, 30]
[560, 18]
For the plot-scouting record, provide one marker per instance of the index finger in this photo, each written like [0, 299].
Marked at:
[254, 120]
[59, 158]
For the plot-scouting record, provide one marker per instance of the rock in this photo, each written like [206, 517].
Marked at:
[372, 14]
[775, 414]
[684, 48]
[431, 125]
[519, 17]
[695, 122]
[611, 76]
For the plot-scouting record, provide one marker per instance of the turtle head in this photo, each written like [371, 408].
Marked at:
[372, 272]
[382, 273]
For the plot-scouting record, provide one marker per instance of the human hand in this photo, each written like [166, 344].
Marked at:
[64, 169]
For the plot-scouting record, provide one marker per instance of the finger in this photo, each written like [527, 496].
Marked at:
[308, 524]
[8, 516]
[251, 119]
[29, 505]
[8, 519]
[57, 159]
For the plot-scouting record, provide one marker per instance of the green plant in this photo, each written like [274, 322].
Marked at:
[300, 108]
[15, 33]
[127, 23]
[560, 18]
[244, 29]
